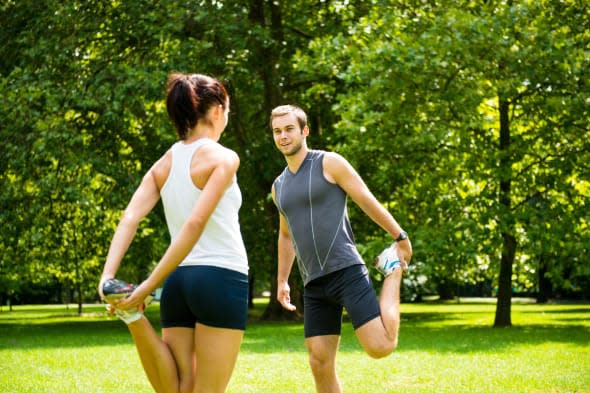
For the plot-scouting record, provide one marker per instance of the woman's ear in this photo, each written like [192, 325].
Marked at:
[214, 112]
[219, 111]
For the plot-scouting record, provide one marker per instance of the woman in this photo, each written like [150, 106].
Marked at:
[203, 308]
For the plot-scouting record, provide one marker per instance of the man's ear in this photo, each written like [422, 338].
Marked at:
[305, 131]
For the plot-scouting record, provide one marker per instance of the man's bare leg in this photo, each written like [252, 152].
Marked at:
[322, 359]
[379, 336]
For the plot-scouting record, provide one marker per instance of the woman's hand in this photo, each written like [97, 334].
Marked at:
[136, 299]
[100, 285]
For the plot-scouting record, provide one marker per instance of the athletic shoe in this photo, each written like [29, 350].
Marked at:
[114, 289]
[388, 261]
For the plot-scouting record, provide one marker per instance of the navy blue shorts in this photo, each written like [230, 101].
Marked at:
[325, 297]
[208, 295]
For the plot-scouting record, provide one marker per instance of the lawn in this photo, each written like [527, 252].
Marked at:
[443, 348]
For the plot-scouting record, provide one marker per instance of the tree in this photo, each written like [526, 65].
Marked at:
[72, 127]
[446, 111]
[450, 109]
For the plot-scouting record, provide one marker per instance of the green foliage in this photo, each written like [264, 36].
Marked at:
[410, 96]
[417, 93]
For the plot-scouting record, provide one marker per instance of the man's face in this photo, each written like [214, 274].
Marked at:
[287, 134]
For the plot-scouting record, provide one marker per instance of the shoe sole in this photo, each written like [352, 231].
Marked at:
[117, 296]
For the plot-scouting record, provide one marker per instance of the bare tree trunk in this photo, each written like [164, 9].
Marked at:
[503, 307]
[545, 287]
[79, 289]
[78, 278]
[269, 74]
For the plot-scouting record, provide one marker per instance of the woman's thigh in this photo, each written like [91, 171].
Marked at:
[181, 342]
[216, 352]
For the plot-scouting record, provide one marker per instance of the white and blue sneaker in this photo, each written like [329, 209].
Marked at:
[388, 261]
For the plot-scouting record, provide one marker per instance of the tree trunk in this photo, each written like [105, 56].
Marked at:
[545, 287]
[503, 307]
[446, 290]
[78, 279]
[79, 289]
[269, 74]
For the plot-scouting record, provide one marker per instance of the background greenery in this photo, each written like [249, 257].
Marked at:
[445, 348]
[468, 119]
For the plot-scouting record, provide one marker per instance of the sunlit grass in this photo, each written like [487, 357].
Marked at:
[443, 348]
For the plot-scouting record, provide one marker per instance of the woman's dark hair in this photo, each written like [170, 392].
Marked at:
[189, 97]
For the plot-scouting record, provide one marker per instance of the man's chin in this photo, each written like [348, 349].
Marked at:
[291, 152]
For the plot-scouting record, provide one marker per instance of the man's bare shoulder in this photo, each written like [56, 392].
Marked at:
[335, 164]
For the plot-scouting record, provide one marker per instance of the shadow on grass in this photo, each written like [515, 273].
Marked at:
[558, 310]
[466, 339]
[444, 332]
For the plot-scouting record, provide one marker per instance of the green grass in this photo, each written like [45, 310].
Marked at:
[443, 348]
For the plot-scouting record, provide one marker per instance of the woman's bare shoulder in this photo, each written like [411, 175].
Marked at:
[220, 155]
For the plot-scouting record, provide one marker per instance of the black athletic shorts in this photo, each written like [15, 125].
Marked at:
[208, 295]
[325, 297]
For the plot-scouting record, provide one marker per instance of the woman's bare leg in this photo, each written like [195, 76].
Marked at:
[216, 352]
[160, 363]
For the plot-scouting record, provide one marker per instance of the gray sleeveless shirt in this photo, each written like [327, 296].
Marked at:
[316, 213]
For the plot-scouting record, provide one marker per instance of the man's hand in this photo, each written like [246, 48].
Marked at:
[284, 297]
[404, 250]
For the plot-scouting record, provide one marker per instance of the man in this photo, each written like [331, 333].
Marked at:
[311, 195]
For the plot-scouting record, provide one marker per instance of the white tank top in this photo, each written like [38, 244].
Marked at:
[221, 242]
